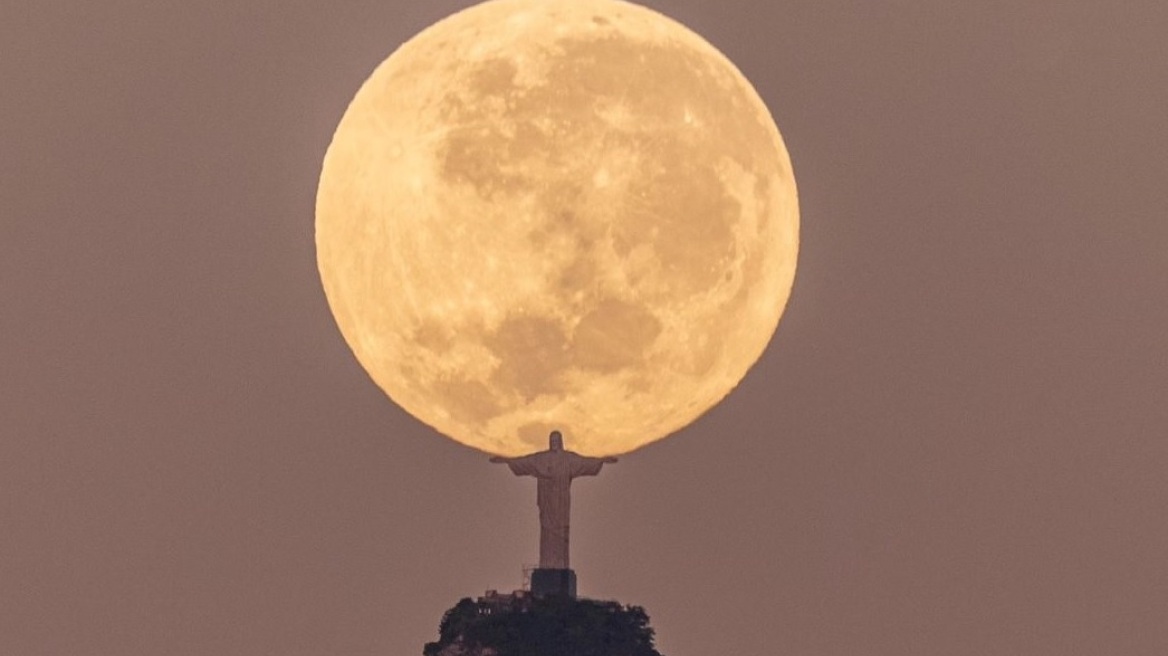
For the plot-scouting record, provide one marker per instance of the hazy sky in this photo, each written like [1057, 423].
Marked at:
[955, 445]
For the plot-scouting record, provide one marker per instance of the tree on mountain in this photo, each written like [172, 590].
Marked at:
[544, 627]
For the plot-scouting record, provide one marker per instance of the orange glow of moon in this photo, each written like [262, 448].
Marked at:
[571, 214]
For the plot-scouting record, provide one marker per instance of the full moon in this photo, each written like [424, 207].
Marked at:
[557, 214]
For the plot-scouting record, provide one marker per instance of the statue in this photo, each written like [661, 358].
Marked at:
[555, 469]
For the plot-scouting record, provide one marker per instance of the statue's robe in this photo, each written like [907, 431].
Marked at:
[554, 471]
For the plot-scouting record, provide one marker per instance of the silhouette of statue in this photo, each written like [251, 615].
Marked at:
[554, 469]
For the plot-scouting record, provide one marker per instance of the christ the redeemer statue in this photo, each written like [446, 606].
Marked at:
[554, 469]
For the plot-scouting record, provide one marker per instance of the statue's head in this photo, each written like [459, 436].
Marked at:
[556, 441]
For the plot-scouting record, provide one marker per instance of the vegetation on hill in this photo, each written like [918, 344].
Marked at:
[544, 627]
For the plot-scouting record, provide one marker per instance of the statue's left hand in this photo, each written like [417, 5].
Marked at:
[498, 460]
[611, 460]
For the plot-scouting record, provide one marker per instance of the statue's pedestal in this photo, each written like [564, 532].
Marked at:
[553, 583]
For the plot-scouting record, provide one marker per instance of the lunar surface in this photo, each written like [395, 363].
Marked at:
[557, 214]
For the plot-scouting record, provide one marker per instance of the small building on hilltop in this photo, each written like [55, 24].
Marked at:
[494, 602]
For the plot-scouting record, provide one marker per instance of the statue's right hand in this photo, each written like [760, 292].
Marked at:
[498, 460]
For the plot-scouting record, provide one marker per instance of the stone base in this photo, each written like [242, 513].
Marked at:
[553, 583]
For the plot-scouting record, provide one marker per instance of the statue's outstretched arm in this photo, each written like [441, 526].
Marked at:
[521, 466]
[590, 466]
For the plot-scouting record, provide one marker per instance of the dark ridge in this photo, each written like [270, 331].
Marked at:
[520, 625]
